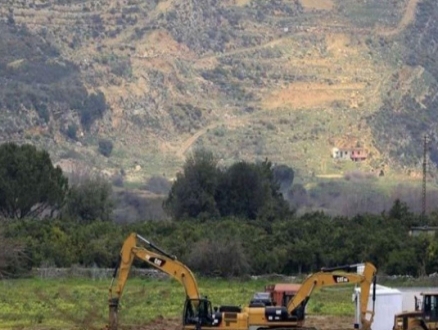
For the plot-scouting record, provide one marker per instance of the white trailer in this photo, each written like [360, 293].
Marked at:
[388, 302]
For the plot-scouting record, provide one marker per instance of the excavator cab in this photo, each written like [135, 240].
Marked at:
[198, 312]
[430, 307]
[425, 316]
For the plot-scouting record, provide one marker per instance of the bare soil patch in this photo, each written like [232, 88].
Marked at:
[242, 2]
[328, 322]
[164, 6]
[317, 4]
[339, 44]
[309, 95]
[330, 176]
[160, 43]
[320, 322]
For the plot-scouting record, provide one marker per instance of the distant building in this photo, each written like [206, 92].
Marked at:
[415, 231]
[354, 154]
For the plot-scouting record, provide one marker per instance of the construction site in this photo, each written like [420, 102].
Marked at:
[280, 306]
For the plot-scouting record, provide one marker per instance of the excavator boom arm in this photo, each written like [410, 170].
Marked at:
[339, 276]
[158, 259]
[162, 261]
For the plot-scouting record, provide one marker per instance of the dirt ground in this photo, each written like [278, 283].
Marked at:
[319, 322]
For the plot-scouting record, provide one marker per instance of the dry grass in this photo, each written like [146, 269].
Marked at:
[306, 95]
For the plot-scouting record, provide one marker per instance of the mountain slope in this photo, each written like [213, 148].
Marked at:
[283, 79]
[410, 107]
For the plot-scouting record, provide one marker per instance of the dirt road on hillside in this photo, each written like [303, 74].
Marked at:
[408, 18]
[191, 140]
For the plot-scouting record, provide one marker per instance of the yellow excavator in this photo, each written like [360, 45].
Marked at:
[363, 274]
[198, 313]
[425, 316]
[195, 304]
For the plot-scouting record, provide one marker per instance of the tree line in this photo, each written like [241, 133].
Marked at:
[233, 215]
[238, 246]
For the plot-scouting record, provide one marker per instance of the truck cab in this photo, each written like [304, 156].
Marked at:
[282, 293]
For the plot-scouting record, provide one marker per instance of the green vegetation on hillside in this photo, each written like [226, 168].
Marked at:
[210, 26]
[35, 77]
[410, 106]
[372, 12]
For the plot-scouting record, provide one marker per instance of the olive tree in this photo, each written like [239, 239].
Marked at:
[90, 198]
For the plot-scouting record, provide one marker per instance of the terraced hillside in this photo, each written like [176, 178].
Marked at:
[283, 79]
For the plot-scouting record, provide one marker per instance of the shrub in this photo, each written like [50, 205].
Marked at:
[121, 67]
[92, 108]
[133, 207]
[229, 258]
[105, 147]
[72, 131]
[117, 180]
[158, 185]
[12, 257]
[90, 200]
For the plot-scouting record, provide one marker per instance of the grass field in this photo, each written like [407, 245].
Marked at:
[82, 304]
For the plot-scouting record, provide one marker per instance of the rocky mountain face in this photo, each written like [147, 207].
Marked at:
[131, 86]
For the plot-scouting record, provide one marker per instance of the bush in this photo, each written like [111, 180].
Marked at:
[158, 185]
[121, 67]
[105, 147]
[72, 131]
[90, 200]
[229, 258]
[12, 257]
[117, 180]
[132, 207]
[284, 177]
[92, 108]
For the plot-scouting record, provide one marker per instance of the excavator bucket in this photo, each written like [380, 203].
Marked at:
[113, 319]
